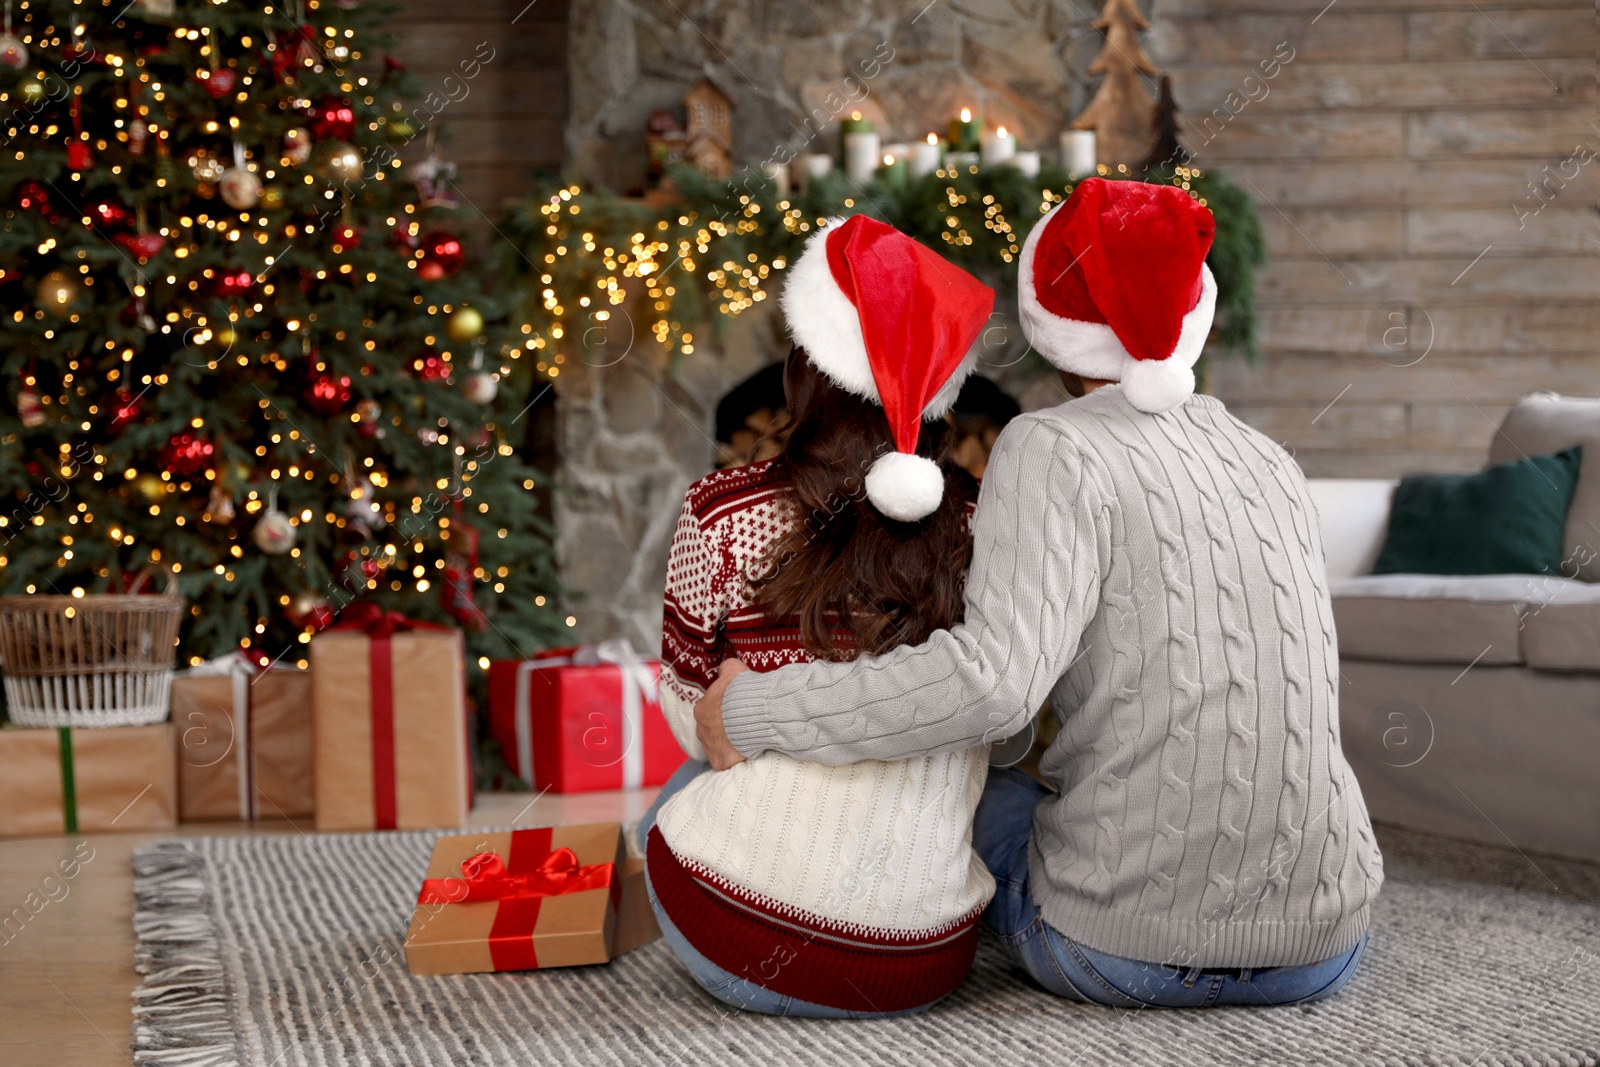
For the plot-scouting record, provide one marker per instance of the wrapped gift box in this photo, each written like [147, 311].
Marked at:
[578, 720]
[111, 779]
[389, 724]
[244, 741]
[519, 900]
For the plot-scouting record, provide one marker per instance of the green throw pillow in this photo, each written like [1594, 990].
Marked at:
[1508, 519]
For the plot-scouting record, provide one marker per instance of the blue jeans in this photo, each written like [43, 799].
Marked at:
[740, 993]
[1001, 830]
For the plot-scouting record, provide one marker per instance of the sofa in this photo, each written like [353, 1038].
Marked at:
[1470, 705]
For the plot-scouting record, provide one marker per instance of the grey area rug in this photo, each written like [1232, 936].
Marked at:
[286, 951]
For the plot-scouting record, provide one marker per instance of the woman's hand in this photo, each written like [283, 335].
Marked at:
[708, 718]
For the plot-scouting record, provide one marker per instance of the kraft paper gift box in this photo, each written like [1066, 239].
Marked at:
[244, 741]
[389, 724]
[111, 779]
[585, 719]
[517, 900]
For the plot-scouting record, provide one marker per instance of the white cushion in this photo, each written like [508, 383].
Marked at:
[1353, 514]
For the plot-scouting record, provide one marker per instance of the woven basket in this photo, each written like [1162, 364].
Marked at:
[87, 661]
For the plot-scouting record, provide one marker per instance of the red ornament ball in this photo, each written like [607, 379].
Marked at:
[107, 213]
[332, 119]
[125, 410]
[429, 271]
[233, 282]
[430, 366]
[219, 83]
[443, 249]
[33, 195]
[187, 455]
[327, 394]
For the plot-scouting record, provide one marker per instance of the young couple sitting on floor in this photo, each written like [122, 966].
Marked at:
[853, 626]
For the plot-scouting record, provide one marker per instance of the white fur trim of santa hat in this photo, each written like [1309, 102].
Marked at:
[905, 487]
[1093, 350]
[823, 321]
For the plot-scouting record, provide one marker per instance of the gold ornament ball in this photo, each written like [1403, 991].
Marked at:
[151, 487]
[225, 336]
[344, 163]
[272, 197]
[464, 324]
[32, 91]
[58, 291]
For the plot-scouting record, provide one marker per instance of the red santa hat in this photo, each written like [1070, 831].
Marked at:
[1113, 284]
[893, 322]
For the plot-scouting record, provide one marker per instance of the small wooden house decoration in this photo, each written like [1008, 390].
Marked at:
[708, 129]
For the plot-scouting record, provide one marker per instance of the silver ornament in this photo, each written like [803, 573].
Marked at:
[274, 534]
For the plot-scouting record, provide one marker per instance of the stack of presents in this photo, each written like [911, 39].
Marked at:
[377, 735]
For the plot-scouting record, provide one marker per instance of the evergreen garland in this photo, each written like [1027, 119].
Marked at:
[719, 247]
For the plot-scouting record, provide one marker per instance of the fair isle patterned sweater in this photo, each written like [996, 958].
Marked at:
[1163, 575]
[853, 886]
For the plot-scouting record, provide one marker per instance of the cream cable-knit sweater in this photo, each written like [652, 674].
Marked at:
[1163, 576]
[872, 846]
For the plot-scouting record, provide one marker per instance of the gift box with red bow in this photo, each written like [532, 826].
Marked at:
[575, 720]
[520, 900]
[389, 724]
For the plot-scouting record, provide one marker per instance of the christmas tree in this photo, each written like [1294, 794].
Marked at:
[1121, 112]
[242, 345]
[1167, 152]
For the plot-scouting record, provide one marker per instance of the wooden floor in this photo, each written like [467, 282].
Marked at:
[66, 976]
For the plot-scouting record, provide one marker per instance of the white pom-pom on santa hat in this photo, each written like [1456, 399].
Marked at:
[905, 487]
[893, 322]
[1112, 284]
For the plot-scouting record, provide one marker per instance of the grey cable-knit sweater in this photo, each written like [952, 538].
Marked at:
[1161, 577]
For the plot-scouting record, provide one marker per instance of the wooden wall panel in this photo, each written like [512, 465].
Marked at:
[511, 120]
[1414, 165]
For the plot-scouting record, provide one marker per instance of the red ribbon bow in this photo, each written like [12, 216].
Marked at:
[486, 878]
[370, 619]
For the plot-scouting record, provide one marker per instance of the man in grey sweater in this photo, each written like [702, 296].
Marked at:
[1152, 565]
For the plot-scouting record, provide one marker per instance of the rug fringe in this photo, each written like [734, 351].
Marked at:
[183, 1010]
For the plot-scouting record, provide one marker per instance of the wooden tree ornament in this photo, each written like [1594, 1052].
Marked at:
[1122, 113]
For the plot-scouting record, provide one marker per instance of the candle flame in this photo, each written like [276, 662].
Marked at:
[933, 138]
[966, 114]
[855, 116]
[888, 160]
[1001, 132]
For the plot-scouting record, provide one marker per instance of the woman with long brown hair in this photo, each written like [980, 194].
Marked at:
[791, 887]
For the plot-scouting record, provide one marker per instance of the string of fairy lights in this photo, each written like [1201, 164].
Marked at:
[599, 256]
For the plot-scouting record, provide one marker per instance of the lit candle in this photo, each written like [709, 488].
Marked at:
[924, 156]
[998, 147]
[1027, 163]
[854, 124]
[778, 174]
[964, 131]
[862, 154]
[893, 171]
[1077, 152]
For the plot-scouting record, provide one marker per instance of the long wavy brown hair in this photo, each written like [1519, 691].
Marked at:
[845, 570]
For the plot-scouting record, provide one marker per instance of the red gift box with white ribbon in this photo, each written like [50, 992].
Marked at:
[578, 720]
